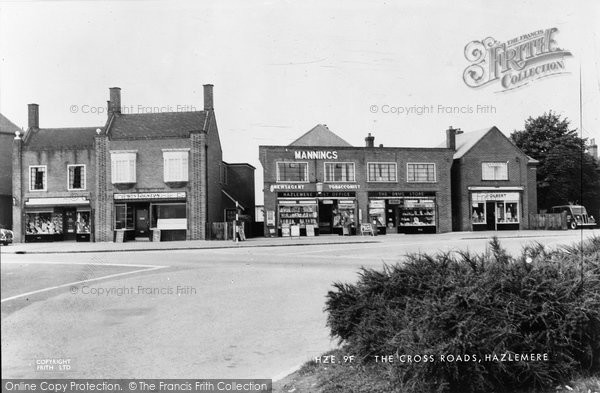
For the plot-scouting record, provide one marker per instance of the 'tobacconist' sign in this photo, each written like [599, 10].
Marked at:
[150, 195]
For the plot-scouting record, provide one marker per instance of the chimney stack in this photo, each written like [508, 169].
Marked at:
[115, 100]
[33, 111]
[370, 141]
[451, 137]
[593, 149]
[208, 98]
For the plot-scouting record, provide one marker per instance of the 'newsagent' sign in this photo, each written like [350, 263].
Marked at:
[516, 62]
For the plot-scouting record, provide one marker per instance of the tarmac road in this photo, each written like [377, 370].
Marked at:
[210, 313]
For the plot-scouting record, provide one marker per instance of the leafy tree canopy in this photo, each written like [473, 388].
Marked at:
[566, 173]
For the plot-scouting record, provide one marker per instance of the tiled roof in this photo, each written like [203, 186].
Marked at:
[320, 135]
[157, 125]
[7, 126]
[466, 140]
[60, 138]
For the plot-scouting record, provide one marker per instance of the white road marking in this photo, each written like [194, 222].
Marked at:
[148, 269]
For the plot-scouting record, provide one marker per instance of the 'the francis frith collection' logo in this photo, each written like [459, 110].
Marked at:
[516, 62]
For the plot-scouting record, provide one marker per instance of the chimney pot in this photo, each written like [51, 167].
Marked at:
[370, 141]
[33, 112]
[208, 98]
[115, 100]
[451, 138]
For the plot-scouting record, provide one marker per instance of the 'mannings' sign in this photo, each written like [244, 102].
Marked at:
[516, 62]
[315, 155]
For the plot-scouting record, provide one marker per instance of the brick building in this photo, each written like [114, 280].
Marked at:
[7, 133]
[493, 181]
[321, 184]
[156, 176]
[53, 182]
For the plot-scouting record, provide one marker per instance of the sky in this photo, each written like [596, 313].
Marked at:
[391, 68]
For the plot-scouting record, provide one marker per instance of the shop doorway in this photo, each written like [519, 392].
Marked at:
[325, 217]
[490, 216]
[69, 224]
[142, 229]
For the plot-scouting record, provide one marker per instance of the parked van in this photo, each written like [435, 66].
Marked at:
[577, 216]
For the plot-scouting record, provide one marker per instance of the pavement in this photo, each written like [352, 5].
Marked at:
[94, 247]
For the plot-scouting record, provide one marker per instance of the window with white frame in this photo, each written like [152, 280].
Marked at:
[292, 172]
[175, 165]
[37, 178]
[123, 166]
[382, 172]
[339, 172]
[494, 171]
[420, 173]
[76, 177]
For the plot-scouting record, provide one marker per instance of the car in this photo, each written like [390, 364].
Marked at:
[6, 236]
[577, 216]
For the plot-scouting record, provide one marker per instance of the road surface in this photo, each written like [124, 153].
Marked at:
[215, 313]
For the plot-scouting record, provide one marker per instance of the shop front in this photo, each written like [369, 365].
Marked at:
[403, 211]
[495, 210]
[158, 216]
[58, 219]
[312, 213]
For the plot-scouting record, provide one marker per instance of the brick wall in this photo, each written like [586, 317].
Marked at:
[441, 157]
[17, 175]
[214, 158]
[240, 184]
[468, 173]
[103, 206]
[197, 189]
[532, 189]
[6, 146]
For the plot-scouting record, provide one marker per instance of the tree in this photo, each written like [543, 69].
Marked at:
[566, 173]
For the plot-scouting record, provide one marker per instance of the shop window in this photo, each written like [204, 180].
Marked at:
[76, 177]
[43, 223]
[292, 172]
[508, 212]
[123, 217]
[478, 213]
[37, 178]
[494, 171]
[83, 222]
[169, 216]
[339, 172]
[298, 214]
[500, 212]
[382, 172]
[417, 212]
[343, 215]
[420, 173]
[175, 165]
[123, 167]
[377, 212]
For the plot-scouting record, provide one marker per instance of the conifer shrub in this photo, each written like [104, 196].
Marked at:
[467, 317]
